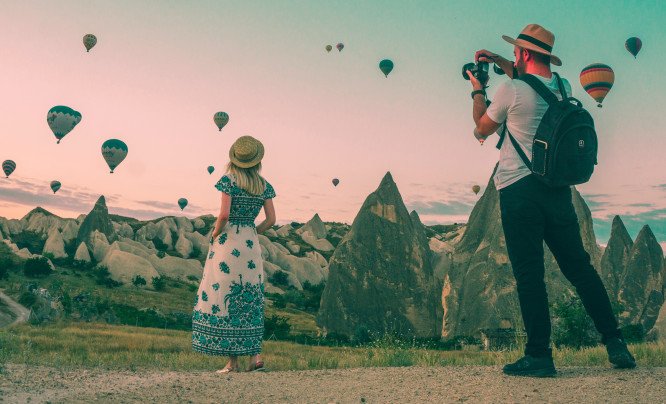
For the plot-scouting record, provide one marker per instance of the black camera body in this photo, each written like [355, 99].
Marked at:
[480, 70]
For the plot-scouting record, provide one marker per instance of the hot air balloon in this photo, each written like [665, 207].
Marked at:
[182, 202]
[8, 166]
[221, 119]
[335, 182]
[62, 120]
[597, 79]
[328, 48]
[114, 152]
[386, 66]
[211, 169]
[55, 186]
[340, 46]
[633, 45]
[89, 40]
[476, 189]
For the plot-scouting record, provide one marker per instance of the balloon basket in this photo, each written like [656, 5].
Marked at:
[599, 105]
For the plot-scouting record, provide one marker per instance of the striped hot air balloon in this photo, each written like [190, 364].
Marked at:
[89, 40]
[476, 189]
[114, 152]
[328, 48]
[597, 79]
[340, 46]
[633, 45]
[62, 120]
[8, 166]
[221, 119]
[55, 186]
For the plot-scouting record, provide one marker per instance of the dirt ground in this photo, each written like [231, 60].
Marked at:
[20, 383]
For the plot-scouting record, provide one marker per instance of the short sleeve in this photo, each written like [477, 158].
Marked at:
[225, 185]
[269, 192]
[502, 101]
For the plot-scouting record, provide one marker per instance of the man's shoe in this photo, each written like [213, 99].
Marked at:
[618, 354]
[531, 366]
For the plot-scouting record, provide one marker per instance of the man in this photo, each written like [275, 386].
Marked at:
[533, 212]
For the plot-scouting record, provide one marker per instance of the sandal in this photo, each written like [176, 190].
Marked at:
[228, 370]
[257, 367]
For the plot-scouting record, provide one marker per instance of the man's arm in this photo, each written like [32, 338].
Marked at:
[484, 125]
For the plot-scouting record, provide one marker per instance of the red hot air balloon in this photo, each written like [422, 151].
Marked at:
[633, 45]
[335, 182]
[476, 189]
[340, 46]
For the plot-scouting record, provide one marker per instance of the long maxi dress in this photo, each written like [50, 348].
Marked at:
[228, 316]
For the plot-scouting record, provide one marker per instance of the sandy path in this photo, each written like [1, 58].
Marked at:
[20, 383]
[21, 313]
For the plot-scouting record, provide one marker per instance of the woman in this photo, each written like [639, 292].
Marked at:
[228, 317]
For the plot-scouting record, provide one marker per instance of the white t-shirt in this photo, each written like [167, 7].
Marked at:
[522, 108]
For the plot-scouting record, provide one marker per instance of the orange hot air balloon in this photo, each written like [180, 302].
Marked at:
[597, 79]
[476, 189]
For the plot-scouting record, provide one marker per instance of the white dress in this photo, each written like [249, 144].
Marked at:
[228, 316]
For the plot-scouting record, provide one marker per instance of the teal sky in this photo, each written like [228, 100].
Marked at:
[161, 69]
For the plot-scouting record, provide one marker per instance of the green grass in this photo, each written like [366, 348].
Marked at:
[79, 344]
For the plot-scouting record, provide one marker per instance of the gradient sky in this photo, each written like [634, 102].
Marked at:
[161, 69]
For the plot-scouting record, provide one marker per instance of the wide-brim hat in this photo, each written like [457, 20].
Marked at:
[537, 38]
[246, 152]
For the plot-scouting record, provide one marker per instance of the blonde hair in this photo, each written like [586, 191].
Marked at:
[248, 179]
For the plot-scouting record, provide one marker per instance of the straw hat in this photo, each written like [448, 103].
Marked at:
[246, 152]
[537, 38]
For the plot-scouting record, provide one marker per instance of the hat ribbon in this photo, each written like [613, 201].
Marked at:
[536, 42]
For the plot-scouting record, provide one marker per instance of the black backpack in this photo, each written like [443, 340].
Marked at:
[564, 151]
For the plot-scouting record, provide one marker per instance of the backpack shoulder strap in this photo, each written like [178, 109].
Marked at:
[520, 151]
[540, 88]
[501, 137]
[560, 85]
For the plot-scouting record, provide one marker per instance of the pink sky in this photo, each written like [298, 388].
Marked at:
[159, 73]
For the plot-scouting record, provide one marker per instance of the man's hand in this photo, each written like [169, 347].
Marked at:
[476, 84]
[491, 59]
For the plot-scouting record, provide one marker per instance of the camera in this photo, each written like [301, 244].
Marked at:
[480, 70]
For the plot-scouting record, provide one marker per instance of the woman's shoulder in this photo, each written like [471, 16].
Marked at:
[227, 184]
[269, 191]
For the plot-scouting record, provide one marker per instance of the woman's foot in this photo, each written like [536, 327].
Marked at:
[232, 367]
[256, 364]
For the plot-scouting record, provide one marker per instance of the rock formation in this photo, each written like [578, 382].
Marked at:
[82, 253]
[97, 220]
[380, 276]
[642, 288]
[54, 244]
[315, 226]
[615, 259]
[479, 287]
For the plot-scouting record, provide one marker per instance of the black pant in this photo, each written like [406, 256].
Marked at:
[531, 214]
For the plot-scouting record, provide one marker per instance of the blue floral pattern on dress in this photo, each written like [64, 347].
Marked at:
[224, 267]
[249, 243]
[223, 238]
[239, 333]
[204, 296]
[251, 265]
[210, 256]
[216, 286]
[245, 207]
[235, 253]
